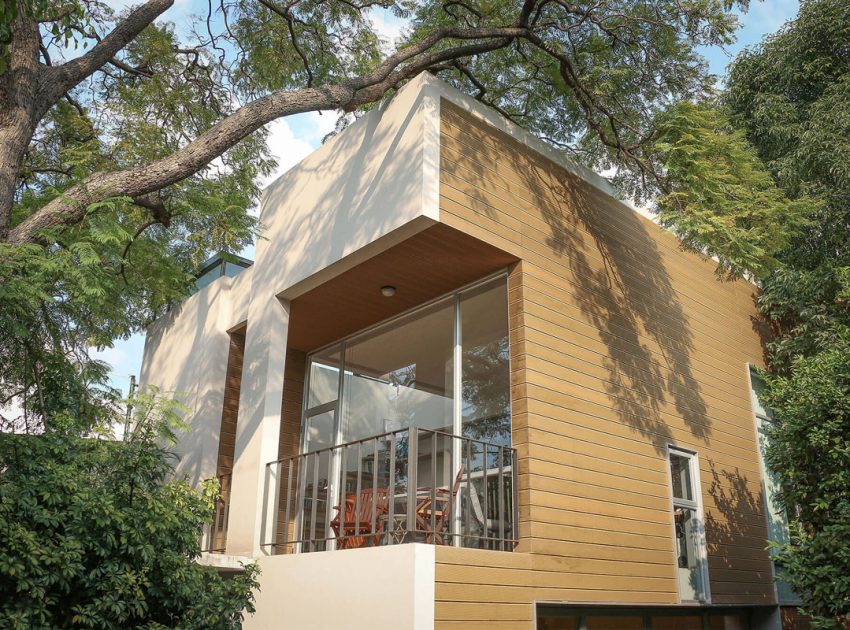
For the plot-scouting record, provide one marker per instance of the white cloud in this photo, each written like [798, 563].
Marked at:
[287, 148]
[388, 27]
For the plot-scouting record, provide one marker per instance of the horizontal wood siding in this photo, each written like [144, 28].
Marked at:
[621, 343]
[230, 408]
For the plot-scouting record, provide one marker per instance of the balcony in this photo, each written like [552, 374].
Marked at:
[409, 485]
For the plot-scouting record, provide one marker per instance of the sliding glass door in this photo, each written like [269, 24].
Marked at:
[442, 367]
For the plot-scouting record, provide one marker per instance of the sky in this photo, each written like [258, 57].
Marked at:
[292, 138]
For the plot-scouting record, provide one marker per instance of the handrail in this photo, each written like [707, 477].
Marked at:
[332, 497]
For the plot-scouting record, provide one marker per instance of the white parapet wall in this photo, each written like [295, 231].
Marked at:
[357, 589]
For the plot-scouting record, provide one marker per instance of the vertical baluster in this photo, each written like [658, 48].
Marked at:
[326, 525]
[412, 463]
[485, 453]
[514, 497]
[374, 485]
[391, 484]
[434, 438]
[359, 485]
[291, 465]
[501, 513]
[343, 493]
[469, 487]
[313, 501]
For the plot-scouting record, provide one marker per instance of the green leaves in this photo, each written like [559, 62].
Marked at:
[722, 200]
[809, 449]
[95, 533]
[791, 97]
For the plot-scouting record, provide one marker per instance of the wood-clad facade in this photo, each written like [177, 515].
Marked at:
[230, 408]
[622, 344]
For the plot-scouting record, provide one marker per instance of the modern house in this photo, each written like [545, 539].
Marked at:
[464, 386]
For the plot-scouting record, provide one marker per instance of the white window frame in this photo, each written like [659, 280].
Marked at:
[697, 506]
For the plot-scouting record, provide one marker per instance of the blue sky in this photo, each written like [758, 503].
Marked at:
[291, 139]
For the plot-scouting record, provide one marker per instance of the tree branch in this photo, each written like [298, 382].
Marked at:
[60, 79]
[70, 207]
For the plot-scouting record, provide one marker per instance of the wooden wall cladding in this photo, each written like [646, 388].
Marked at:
[230, 409]
[622, 343]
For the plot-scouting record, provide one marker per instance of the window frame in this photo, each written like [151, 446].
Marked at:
[755, 403]
[696, 505]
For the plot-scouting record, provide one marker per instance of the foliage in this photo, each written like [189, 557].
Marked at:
[93, 534]
[791, 97]
[722, 198]
[810, 452]
[594, 78]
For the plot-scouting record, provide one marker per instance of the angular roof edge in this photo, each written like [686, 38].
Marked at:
[523, 136]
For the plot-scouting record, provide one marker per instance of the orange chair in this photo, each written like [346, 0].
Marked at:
[436, 506]
[355, 528]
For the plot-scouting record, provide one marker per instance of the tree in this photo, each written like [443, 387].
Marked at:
[791, 97]
[94, 535]
[130, 150]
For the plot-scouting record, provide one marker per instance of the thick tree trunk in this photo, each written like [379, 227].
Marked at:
[18, 116]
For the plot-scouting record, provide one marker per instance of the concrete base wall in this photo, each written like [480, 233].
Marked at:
[375, 587]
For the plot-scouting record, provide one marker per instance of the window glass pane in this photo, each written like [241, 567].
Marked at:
[614, 622]
[777, 521]
[401, 376]
[687, 558]
[319, 431]
[758, 388]
[324, 377]
[680, 471]
[486, 405]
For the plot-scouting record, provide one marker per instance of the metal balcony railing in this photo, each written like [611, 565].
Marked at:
[214, 537]
[411, 485]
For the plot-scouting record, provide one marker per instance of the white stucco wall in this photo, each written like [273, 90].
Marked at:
[361, 192]
[186, 356]
[356, 589]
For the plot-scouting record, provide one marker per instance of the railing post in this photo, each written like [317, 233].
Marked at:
[412, 465]
[271, 497]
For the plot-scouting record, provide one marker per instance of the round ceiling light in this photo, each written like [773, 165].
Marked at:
[388, 290]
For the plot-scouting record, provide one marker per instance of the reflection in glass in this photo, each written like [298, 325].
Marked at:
[687, 537]
[680, 471]
[486, 404]
[324, 377]
[401, 376]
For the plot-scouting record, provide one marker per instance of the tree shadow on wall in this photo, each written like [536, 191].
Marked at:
[623, 288]
[737, 521]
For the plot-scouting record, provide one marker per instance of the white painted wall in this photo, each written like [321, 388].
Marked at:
[186, 356]
[356, 589]
[361, 192]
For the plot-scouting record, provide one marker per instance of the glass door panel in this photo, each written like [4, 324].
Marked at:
[401, 376]
[316, 472]
[486, 411]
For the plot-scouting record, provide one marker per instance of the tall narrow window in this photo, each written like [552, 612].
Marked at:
[777, 521]
[689, 529]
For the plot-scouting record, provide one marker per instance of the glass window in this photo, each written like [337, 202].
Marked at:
[401, 376]
[688, 527]
[680, 472]
[486, 377]
[777, 520]
[324, 377]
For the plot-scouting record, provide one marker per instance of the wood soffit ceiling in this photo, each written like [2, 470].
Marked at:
[428, 264]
